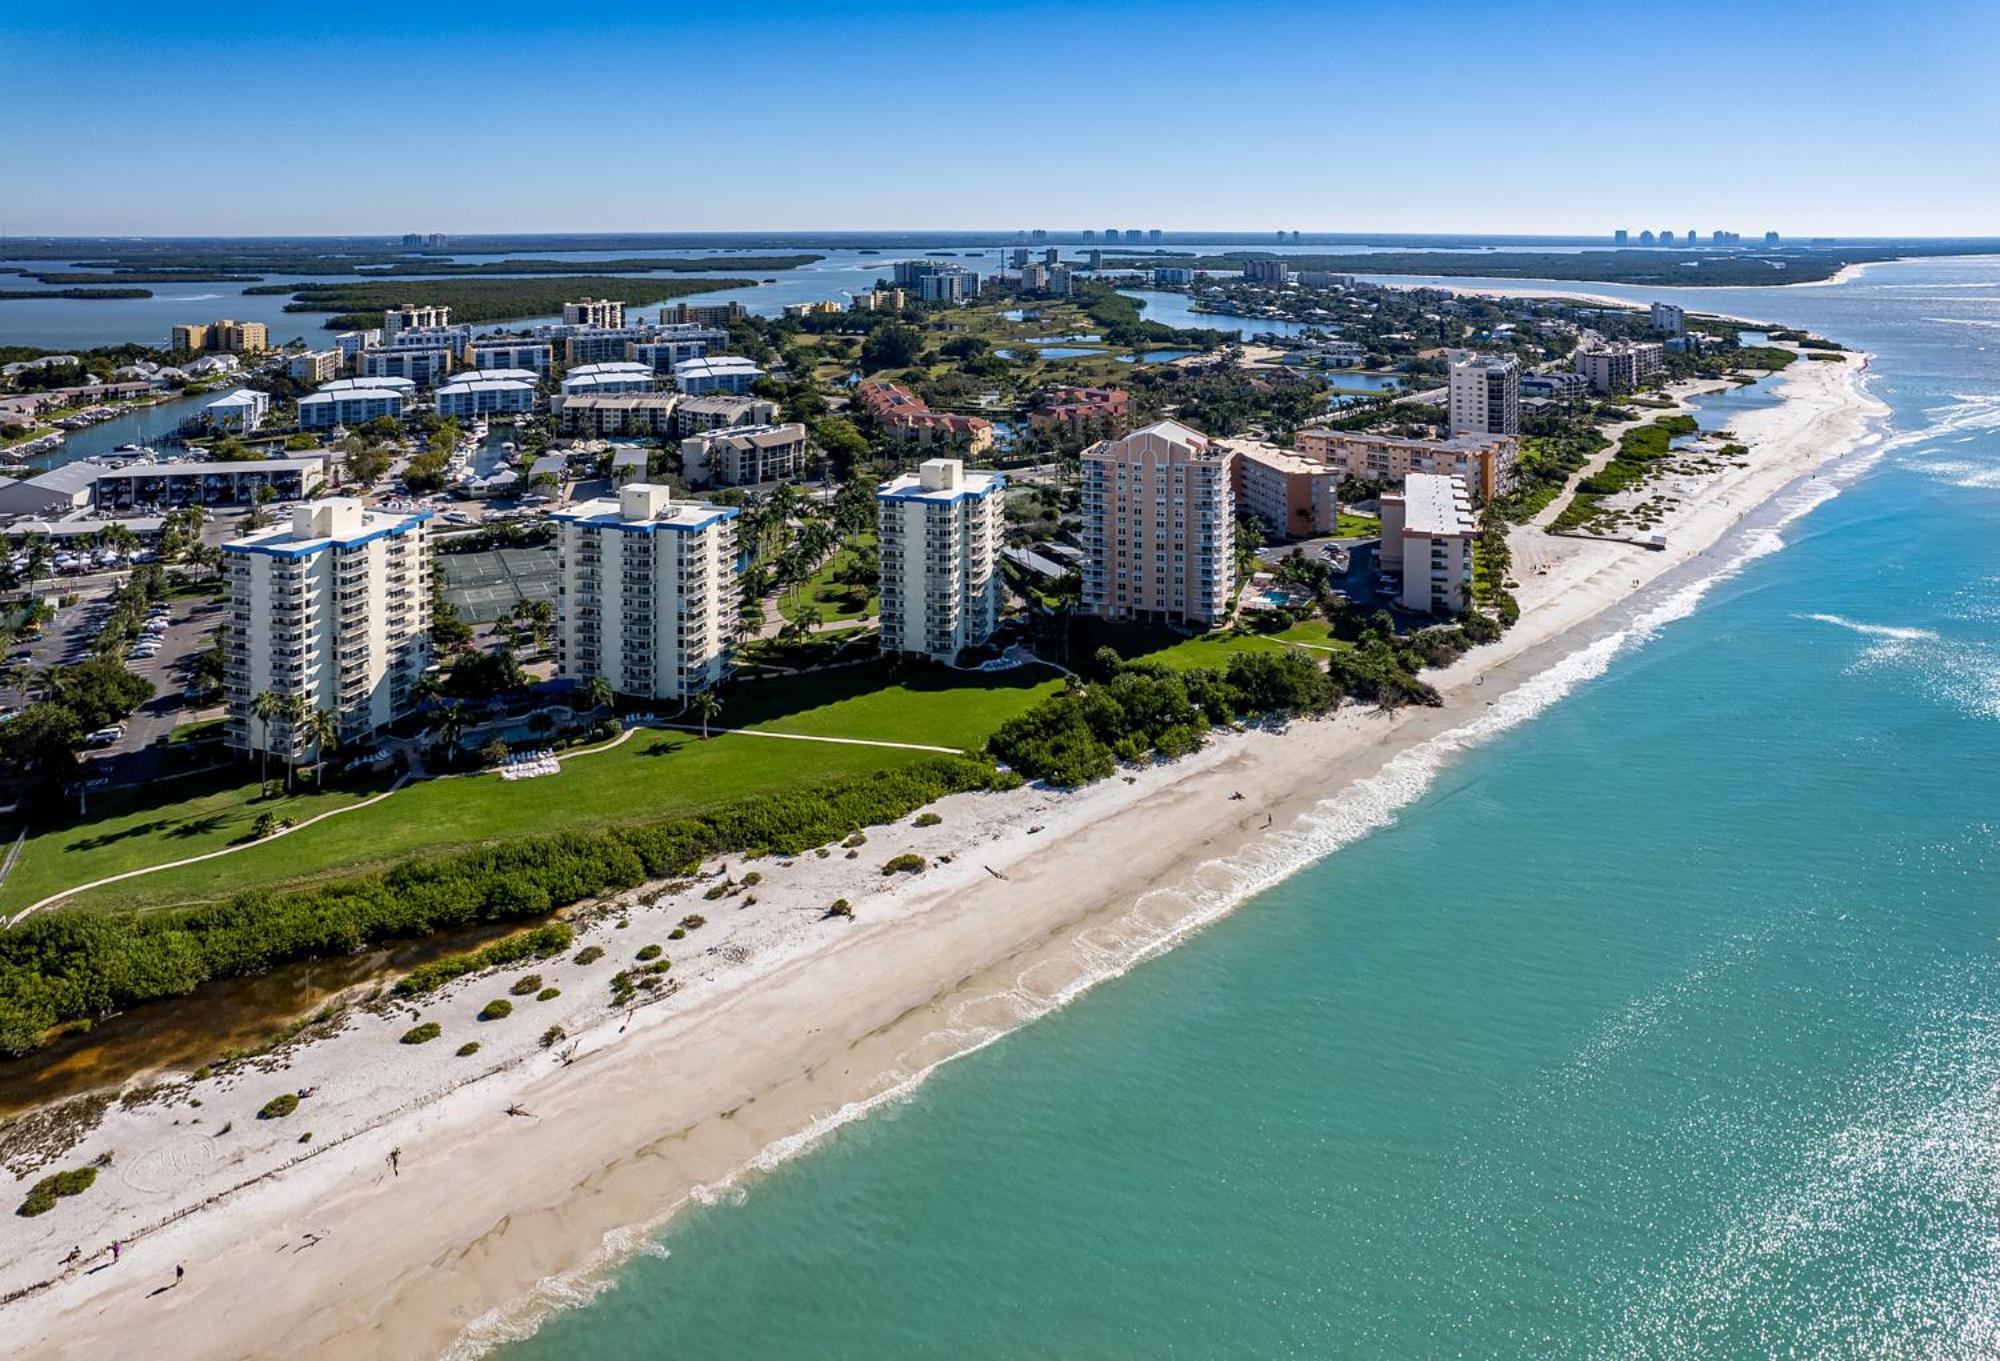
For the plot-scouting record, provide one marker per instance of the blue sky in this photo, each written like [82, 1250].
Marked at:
[1833, 117]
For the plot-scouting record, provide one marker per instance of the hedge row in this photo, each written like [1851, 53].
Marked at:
[67, 965]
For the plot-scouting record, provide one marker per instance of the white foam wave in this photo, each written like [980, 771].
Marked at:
[1163, 918]
[1872, 630]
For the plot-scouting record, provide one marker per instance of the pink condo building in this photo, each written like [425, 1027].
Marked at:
[1159, 527]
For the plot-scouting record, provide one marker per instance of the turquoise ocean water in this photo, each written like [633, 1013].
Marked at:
[1662, 1022]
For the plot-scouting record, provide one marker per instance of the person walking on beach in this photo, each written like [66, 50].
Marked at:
[116, 1248]
[395, 1161]
[180, 1271]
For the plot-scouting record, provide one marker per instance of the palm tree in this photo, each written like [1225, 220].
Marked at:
[450, 726]
[597, 690]
[708, 706]
[294, 712]
[322, 729]
[264, 708]
[428, 689]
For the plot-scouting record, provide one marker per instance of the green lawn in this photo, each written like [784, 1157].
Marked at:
[830, 596]
[169, 820]
[654, 774]
[1212, 650]
[1352, 526]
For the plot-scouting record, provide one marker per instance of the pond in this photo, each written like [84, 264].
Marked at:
[1156, 356]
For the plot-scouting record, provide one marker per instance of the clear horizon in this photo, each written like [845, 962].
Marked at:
[1541, 119]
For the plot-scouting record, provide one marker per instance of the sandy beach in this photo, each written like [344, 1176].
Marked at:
[423, 1219]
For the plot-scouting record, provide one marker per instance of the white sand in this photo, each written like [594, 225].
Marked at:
[784, 1024]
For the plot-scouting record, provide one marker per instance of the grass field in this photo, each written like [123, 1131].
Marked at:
[820, 589]
[654, 774]
[1213, 650]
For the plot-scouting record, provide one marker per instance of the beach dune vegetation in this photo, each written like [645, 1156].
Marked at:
[69, 965]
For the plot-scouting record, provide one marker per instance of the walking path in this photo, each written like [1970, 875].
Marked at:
[369, 802]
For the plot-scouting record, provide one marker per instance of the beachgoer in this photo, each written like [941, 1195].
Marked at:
[180, 1271]
[116, 1248]
[395, 1160]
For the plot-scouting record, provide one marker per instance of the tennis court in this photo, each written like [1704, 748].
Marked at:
[486, 585]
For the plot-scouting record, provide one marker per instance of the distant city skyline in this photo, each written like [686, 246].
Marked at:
[1451, 117]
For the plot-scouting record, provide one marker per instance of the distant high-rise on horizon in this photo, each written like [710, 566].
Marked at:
[1770, 238]
[1621, 237]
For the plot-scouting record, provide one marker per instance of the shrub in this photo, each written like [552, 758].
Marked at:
[66, 966]
[548, 994]
[499, 1009]
[468, 1049]
[423, 1034]
[44, 1194]
[719, 891]
[553, 1036]
[841, 908]
[752, 879]
[589, 954]
[278, 1107]
[306, 1138]
[693, 921]
[551, 938]
[677, 934]
[649, 952]
[927, 820]
[526, 983]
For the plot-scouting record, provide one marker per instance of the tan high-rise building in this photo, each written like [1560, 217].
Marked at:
[412, 316]
[1428, 530]
[1159, 527]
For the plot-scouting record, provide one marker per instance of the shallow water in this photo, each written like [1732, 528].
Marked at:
[1651, 1018]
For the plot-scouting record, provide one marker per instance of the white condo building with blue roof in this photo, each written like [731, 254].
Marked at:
[334, 608]
[941, 531]
[647, 592]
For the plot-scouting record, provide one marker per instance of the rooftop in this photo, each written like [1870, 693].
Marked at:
[644, 507]
[1437, 505]
[341, 520]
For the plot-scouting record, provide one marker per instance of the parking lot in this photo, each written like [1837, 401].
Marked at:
[67, 641]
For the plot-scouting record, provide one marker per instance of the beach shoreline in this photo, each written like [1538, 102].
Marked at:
[785, 1026]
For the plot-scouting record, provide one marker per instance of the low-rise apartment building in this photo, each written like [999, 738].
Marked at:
[425, 366]
[879, 300]
[601, 380]
[644, 413]
[1159, 527]
[1428, 530]
[502, 392]
[350, 406]
[940, 531]
[744, 456]
[1083, 411]
[1619, 367]
[905, 415]
[1486, 462]
[242, 410]
[726, 373]
[532, 356]
[314, 366]
[695, 414]
[646, 596]
[334, 609]
[1294, 496]
[717, 314]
